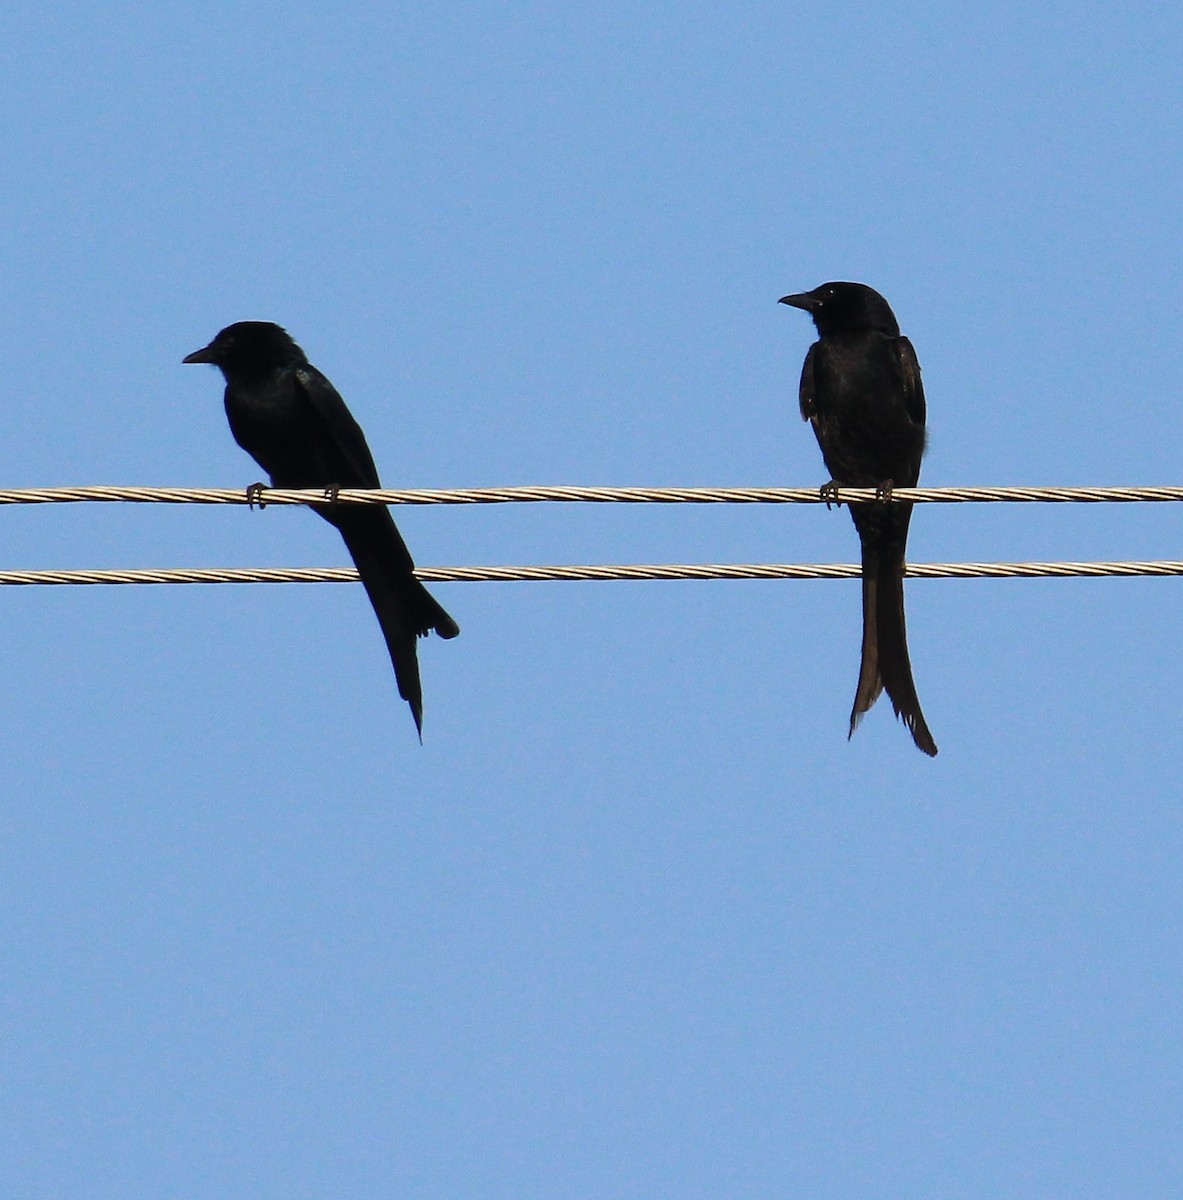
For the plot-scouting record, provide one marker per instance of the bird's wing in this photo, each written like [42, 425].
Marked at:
[910, 374]
[346, 456]
[805, 394]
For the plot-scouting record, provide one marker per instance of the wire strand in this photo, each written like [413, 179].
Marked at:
[966, 570]
[590, 495]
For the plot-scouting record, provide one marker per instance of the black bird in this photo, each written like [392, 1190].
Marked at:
[293, 422]
[861, 392]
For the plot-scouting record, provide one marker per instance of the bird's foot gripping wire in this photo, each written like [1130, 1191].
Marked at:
[883, 491]
[829, 494]
[254, 495]
[332, 491]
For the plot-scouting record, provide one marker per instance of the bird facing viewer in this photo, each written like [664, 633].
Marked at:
[860, 390]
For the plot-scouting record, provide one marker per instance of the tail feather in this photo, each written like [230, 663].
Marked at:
[894, 664]
[405, 609]
[429, 615]
[869, 682]
[885, 662]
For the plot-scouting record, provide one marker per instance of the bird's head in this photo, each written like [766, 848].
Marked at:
[846, 308]
[249, 348]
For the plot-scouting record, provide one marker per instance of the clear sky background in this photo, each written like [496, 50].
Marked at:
[636, 920]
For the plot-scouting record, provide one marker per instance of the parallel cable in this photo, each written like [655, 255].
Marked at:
[596, 495]
[590, 495]
[966, 570]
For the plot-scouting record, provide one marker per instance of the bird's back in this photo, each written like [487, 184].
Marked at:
[295, 425]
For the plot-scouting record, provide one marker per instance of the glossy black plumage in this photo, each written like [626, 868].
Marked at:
[861, 392]
[292, 421]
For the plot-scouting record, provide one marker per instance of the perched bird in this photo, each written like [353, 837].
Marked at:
[292, 421]
[861, 392]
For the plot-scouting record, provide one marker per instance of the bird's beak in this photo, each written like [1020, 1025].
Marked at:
[199, 356]
[803, 300]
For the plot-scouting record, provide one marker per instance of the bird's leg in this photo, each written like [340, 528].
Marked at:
[829, 494]
[332, 491]
[883, 491]
[254, 495]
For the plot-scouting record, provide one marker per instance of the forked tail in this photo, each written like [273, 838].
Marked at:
[885, 663]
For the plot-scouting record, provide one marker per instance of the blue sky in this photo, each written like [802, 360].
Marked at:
[636, 919]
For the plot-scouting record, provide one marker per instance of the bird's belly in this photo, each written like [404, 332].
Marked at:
[866, 444]
[276, 437]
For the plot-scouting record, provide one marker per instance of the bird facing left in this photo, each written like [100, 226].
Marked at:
[860, 390]
[294, 424]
